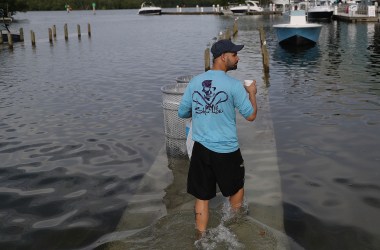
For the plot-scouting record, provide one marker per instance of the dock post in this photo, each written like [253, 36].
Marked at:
[33, 38]
[21, 30]
[207, 59]
[228, 34]
[10, 40]
[66, 32]
[50, 36]
[54, 31]
[89, 29]
[235, 28]
[221, 35]
[79, 34]
[264, 53]
[1, 37]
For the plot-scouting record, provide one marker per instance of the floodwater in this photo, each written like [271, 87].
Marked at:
[82, 144]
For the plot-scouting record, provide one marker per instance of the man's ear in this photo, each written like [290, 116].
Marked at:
[223, 56]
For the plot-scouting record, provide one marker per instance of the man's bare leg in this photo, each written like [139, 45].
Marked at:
[201, 215]
[236, 200]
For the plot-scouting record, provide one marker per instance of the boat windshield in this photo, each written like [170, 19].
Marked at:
[147, 4]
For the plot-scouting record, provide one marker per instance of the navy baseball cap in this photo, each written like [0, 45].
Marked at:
[224, 46]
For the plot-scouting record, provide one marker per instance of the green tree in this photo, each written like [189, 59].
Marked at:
[13, 5]
[25, 5]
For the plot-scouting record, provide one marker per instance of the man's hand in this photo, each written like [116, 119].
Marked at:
[251, 89]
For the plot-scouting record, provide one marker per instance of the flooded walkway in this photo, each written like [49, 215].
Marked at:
[161, 213]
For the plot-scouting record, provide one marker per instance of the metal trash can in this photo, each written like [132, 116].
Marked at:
[175, 127]
[184, 79]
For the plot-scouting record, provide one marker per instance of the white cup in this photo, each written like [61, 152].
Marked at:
[248, 82]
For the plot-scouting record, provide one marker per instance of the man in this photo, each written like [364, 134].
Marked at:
[211, 99]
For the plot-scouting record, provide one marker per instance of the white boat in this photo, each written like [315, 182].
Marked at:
[5, 17]
[282, 5]
[148, 8]
[250, 6]
[319, 9]
[298, 31]
[6, 20]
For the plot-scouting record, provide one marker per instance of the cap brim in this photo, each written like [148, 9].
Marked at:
[236, 48]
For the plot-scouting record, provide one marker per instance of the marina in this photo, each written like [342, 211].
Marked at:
[82, 136]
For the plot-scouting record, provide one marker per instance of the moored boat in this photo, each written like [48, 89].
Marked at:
[298, 31]
[148, 8]
[319, 9]
[6, 20]
[250, 6]
[15, 37]
[282, 5]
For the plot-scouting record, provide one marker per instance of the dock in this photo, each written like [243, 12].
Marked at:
[15, 37]
[355, 18]
[264, 13]
[356, 13]
[192, 13]
[224, 12]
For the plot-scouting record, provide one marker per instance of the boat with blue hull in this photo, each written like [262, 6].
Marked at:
[298, 31]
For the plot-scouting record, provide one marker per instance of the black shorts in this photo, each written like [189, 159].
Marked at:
[208, 168]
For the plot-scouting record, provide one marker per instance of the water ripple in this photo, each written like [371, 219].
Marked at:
[55, 221]
[26, 193]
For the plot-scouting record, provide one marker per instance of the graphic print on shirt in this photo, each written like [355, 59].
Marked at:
[207, 101]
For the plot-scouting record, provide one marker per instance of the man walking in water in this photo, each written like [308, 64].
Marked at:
[211, 99]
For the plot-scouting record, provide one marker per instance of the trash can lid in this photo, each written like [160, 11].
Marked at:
[174, 89]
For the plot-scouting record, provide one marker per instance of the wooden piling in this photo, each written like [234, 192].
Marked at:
[235, 28]
[33, 38]
[66, 32]
[10, 41]
[54, 31]
[207, 59]
[1, 37]
[21, 30]
[228, 34]
[89, 29]
[264, 53]
[221, 35]
[79, 34]
[50, 36]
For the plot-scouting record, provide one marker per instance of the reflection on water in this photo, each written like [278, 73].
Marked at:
[325, 109]
[81, 134]
[296, 56]
[81, 121]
